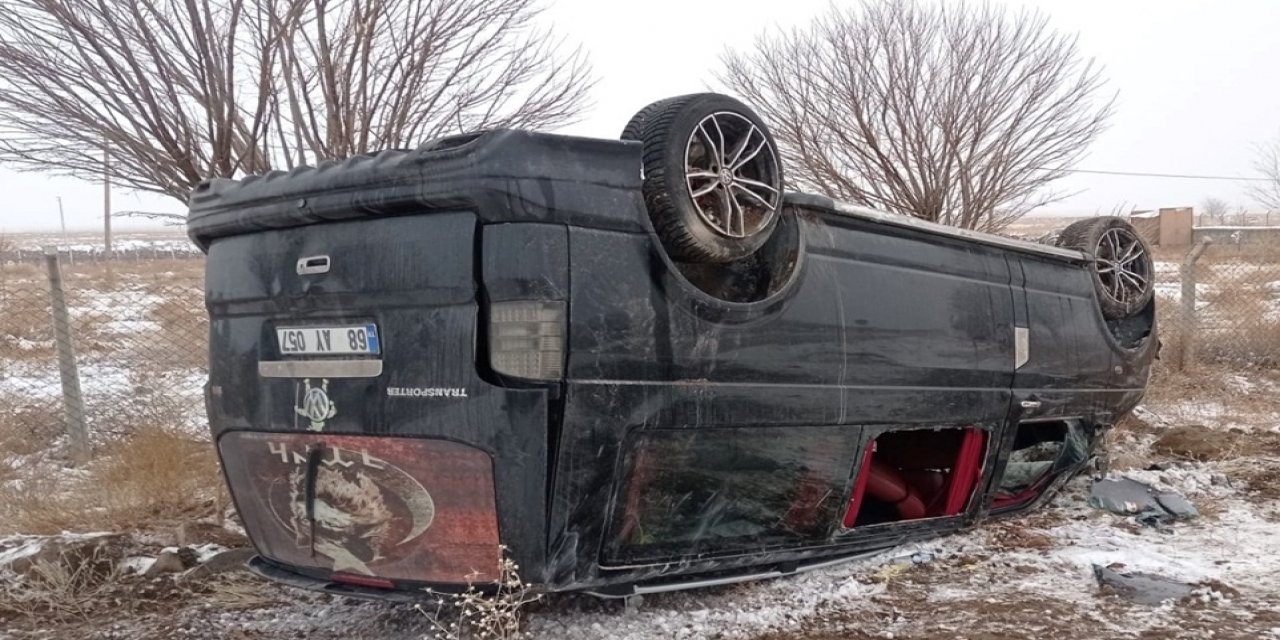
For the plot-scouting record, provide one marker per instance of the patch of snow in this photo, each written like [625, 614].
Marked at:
[131, 326]
[113, 381]
[138, 564]
[123, 304]
[1207, 411]
[26, 344]
[1189, 480]
[161, 247]
[1238, 548]
[207, 550]
[18, 547]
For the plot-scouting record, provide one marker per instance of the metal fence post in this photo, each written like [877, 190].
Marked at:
[1190, 321]
[72, 400]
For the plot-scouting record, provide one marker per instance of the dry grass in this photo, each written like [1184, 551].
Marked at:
[1242, 334]
[1125, 444]
[1264, 480]
[158, 475]
[1240, 321]
[26, 325]
[141, 325]
[181, 314]
[25, 273]
[71, 585]
[153, 477]
[1169, 326]
[1238, 309]
[1192, 442]
[186, 328]
[28, 427]
[1210, 382]
[1017, 536]
[110, 274]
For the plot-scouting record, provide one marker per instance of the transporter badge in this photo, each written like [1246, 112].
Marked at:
[316, 405]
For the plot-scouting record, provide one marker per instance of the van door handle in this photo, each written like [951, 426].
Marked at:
[1030, 404]
[313, 265]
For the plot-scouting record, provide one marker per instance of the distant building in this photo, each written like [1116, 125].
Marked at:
[1176, 227]
[1165, 227]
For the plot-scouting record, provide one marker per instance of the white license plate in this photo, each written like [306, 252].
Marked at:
[321, 341]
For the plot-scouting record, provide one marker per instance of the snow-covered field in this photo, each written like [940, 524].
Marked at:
[138, 330]
[164, 242]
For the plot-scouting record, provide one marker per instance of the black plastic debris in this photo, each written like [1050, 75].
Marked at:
[1148, 506]
[1177, 505]
[1142, 588]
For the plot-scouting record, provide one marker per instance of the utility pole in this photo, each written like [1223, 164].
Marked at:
[62, 217]
[106, 198]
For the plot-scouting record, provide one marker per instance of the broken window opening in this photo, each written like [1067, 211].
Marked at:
[918, 474]
[1042, 450]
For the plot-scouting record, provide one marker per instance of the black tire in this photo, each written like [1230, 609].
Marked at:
[1122, 269]
[635, 126]
[738, 209]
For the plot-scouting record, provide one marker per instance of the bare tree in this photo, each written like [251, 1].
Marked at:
[1214, 210]
[949, 112]
[181, 90]
[1266, 161]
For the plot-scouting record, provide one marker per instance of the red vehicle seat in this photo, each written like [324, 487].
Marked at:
[888, 484]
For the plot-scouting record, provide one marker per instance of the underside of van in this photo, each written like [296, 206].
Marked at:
[637, 365]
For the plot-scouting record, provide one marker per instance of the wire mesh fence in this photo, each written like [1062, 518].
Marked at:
[1219, 303]
[132, 345]
[138, 334]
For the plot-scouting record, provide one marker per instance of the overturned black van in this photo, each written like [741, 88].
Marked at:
[637, 365]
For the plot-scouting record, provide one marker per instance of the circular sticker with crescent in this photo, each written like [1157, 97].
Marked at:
[365, 509]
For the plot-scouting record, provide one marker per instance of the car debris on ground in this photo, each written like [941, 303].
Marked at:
[1128, 497]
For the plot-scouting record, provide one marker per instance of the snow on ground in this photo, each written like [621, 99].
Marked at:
[1172, 292]
[108, 380]
[160, 241]
[124, 304]
[18, 547]
[1027, 576]
[1030, 576]
[124, 353]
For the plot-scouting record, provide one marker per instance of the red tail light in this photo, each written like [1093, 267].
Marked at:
[361, 581]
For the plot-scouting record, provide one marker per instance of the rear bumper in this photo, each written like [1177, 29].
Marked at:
[264, 568]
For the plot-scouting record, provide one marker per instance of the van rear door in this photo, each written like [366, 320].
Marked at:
[358, 435]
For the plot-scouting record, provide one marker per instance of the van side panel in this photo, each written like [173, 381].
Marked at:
[883, 326]
[1074, 368]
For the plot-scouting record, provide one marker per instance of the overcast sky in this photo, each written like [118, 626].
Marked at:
[1198, 83]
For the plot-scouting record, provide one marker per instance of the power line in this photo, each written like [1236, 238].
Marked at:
[1142, 174]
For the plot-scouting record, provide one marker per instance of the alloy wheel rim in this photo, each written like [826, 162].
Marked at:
[1122, 266]
[732, 174]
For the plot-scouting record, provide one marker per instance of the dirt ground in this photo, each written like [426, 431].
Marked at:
[1030, 576]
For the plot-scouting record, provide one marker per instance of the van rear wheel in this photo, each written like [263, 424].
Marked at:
[1123, 271]
[712, 176]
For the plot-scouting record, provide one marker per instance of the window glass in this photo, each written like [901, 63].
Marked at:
[729, 490]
